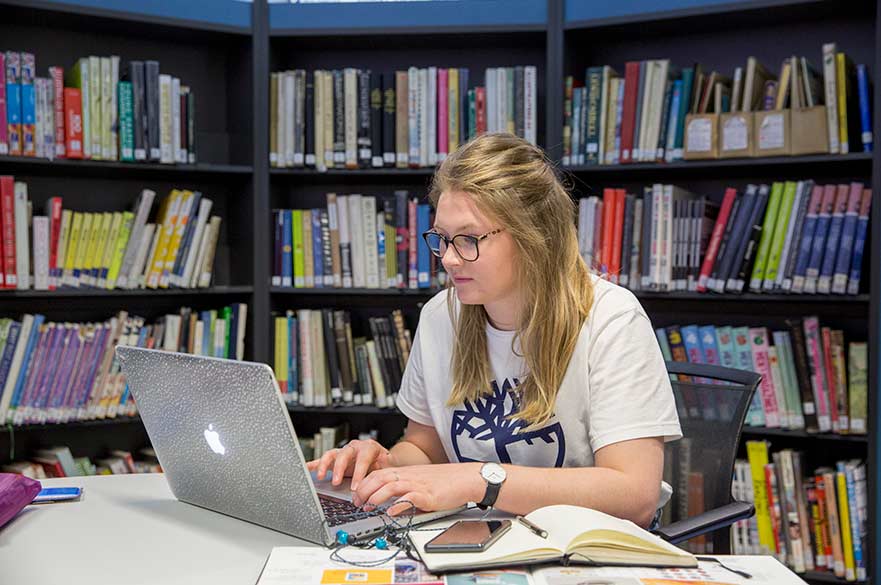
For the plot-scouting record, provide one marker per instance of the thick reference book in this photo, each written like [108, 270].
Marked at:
[574, 535]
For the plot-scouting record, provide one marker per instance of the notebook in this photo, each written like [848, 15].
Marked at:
[575, 535]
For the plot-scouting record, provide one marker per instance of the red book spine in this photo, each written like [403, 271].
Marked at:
[443, 113]
[7, 229]
[73, 123]
[617, 236]
[57, 75]
[54, 233]
[716, 239]
[826, 339]
[820, 483]
[608, 230]
[4, 146]
[628, 112]
[481, 109]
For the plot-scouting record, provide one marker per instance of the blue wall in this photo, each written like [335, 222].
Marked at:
[403, 14]
[224, 12]
[596, 10]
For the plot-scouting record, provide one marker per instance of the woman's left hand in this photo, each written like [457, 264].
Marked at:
[428, 487]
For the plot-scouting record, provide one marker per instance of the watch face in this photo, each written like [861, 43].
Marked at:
[493, 473]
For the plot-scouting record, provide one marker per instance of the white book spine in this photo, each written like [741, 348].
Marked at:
[356, 224]
[210, 251]
[502, 99]
[490, 77]
[432, 116]
[22, 245]
[106, 108]
[95, 105]
[830, 85]
[175, 120]
[290, 95]
[350, 92]
[41, 252]
[200, 258]
[201, 221]
[166, 154]
[146, 245]
[145, 203]
[529, 103]
[371, 259]
[114, 107]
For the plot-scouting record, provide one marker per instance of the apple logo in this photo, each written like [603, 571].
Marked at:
[213, 439]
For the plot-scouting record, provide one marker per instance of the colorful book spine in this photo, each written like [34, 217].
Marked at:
[13, 103]
[844, 254]
[865, 108]
[28, 105]
[762, 365]
[859, 244]
[824, 282]
[812, 274]
[807, 238]
[774, 202]
[4, 128]
[811, 327]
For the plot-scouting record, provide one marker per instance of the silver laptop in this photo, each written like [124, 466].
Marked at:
[223, 436]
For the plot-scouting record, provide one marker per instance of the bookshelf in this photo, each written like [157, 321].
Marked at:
[215, 60]
[232, 65]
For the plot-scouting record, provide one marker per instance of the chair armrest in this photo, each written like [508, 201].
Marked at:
[709, 521]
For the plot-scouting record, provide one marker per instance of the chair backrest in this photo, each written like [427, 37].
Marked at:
[712, 402]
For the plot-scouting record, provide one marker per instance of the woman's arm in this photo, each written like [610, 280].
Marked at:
[420, 445]
[626, 483]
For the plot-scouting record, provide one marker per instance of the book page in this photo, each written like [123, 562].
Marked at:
[573, 525]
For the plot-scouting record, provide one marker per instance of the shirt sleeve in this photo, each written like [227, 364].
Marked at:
[412, 400]
[630, 392]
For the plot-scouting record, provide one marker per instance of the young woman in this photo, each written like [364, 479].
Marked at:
[531, 382]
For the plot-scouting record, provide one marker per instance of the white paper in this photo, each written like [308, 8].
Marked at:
[699, 135]
[771, 132]
[734, 134]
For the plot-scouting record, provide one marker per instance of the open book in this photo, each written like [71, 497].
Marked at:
[575, 535]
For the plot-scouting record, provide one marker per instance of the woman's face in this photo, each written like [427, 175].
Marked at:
[489, 279]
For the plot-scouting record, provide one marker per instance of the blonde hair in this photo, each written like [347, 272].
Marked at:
[514, 183]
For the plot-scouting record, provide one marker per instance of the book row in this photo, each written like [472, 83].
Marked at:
[811, 379]
[788, 237]
[809, 521]
[57, 372]
[357, 118]
[360, 241]
[60, 462]
[641, 117]
[109, 250]
[97, 109]
[318, 361]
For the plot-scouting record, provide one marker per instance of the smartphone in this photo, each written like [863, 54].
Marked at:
[58, 494]
[468, 536]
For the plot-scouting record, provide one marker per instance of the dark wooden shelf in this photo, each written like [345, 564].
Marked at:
[365, 409]
[76, 424]
[802, 435]
[94, 293]
[857, 161]
[378, 292]
[753, 297]
[389, 172]
[19, 165]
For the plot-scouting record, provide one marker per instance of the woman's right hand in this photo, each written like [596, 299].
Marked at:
[355, 460]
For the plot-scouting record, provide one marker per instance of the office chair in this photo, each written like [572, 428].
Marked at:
[712, 402]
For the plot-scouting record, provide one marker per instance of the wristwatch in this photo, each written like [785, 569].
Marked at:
[494, 475]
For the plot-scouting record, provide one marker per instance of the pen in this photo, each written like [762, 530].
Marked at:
[532, 527]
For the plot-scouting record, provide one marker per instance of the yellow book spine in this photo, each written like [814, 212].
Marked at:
[166, 229]
[176, 238]
[841, 83]
[453, 108]
[101, 237]
[125, 230]
[308, 257]
[844, 523]
[757, 454]
[281, 353]
[109, 248]
[82, 247]
[73, 240]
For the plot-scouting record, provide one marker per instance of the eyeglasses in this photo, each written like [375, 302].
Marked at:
[465, 245]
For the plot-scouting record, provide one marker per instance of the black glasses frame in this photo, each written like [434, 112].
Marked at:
[448, 241]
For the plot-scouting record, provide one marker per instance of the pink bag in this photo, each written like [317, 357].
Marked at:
[16, 492]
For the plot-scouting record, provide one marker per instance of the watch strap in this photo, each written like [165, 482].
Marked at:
[491, 495]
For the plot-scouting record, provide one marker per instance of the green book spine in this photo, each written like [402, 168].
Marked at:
[858, 391]
[126, 121]
[227, 317]
[211, 326]
[758, 274]
[780, 228]
[299, 259]
[125, 231]
[594, 96]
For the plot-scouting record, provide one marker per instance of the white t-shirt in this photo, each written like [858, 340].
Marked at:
[616, 388]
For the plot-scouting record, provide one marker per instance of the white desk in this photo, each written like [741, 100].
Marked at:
[130, 529]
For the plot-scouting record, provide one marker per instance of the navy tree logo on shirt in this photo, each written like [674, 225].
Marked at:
[487, 421]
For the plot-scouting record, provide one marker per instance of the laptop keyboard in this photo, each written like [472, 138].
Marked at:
[338, 511]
